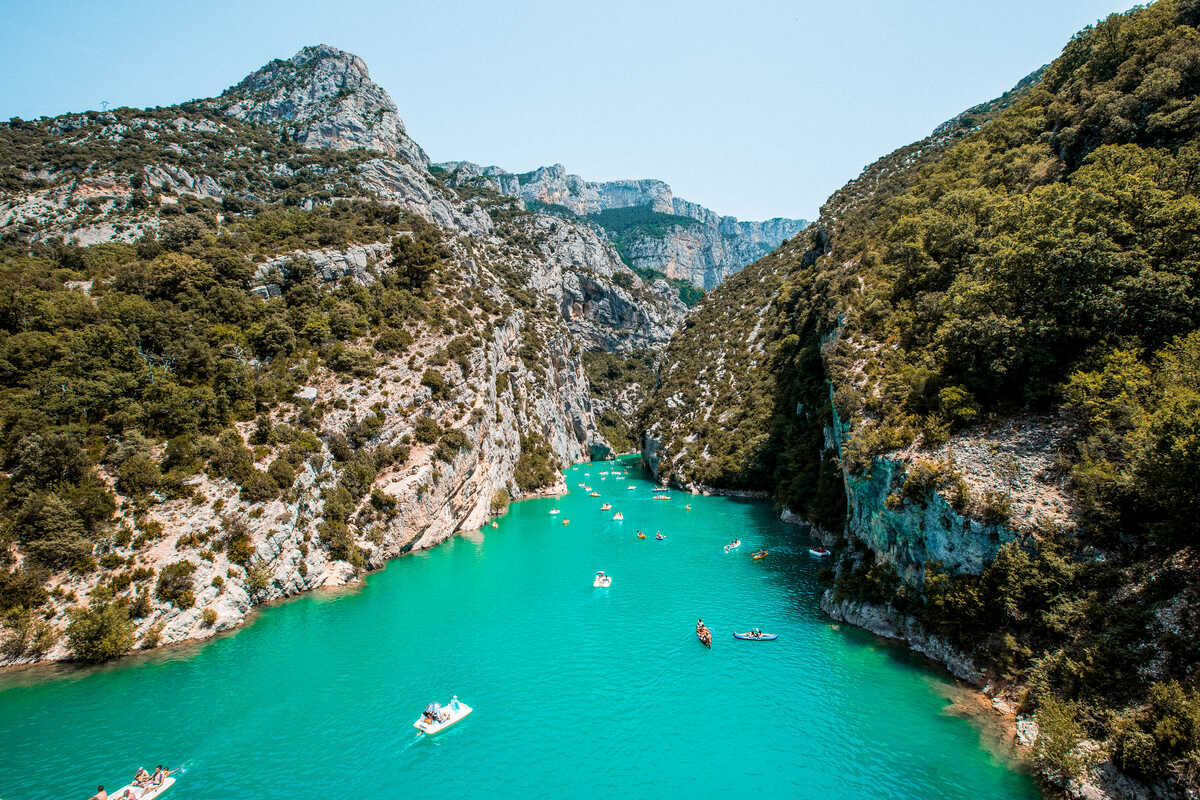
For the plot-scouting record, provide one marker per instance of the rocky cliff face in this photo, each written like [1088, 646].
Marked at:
[689, 242]
[522, 295]
[323, 97]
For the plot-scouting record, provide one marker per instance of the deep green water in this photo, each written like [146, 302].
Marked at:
[578, 691]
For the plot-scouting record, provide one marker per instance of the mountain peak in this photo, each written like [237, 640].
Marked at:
[323, 97]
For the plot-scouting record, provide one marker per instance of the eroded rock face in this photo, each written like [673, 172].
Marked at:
[704, 248]
[323, 97]
[533, 293]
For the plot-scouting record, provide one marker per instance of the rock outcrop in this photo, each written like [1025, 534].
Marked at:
[523, 295]
[690, 242]
[323, 97]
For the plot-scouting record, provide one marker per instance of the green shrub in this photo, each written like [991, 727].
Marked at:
[426, 430]
[452, 443]
[258, 487]
[436, 383]
[138, 475]
[535, 466]
[175, 584]
[1059, 734]
[100, 633]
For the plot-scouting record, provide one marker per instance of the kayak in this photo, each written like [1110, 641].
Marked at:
[451, 713]
[760, 554]
[149, 791]
[762, 637]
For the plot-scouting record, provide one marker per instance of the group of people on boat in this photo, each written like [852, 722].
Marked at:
[143, 781]
[734, 544]
[434, 713]
[703, 633]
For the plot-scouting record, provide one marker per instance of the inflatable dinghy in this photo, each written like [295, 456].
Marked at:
[749, 637]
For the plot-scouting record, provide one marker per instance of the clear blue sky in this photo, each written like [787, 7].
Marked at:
[757, 109]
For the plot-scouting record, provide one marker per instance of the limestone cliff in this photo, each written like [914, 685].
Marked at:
[323, 97]
[479, 393]
[677, 238]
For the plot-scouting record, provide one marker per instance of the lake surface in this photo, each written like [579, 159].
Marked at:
[577, 691]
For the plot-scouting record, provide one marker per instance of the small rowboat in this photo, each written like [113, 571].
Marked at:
[705, 636]
[659, 536]
[750, 637]
[443, 717]
[150, 791]
[820, 551]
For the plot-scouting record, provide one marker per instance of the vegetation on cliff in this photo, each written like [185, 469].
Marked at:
[1039, 255]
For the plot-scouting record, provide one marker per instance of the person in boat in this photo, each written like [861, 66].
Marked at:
[159, 775]
[100, 793]
[141, 777]
[756, 633]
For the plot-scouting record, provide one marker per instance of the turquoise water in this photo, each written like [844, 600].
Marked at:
[576, 690]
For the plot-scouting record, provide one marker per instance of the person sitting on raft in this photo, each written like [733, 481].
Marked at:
[100, 793]
[141, 777]
[159, 775]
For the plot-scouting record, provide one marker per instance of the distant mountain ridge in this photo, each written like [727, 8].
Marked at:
[678, 238]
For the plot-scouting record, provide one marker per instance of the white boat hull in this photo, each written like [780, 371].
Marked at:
[452, 715]
[143, 793]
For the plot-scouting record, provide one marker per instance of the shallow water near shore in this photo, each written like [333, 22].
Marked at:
[576, 690]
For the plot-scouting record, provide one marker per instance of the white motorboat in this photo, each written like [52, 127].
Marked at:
[437, 718]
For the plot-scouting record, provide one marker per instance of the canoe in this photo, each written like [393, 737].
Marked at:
[452, 714]
[766, 637]
[149, 791]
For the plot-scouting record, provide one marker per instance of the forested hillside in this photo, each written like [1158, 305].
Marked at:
[1033, 268]
[240, 360]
